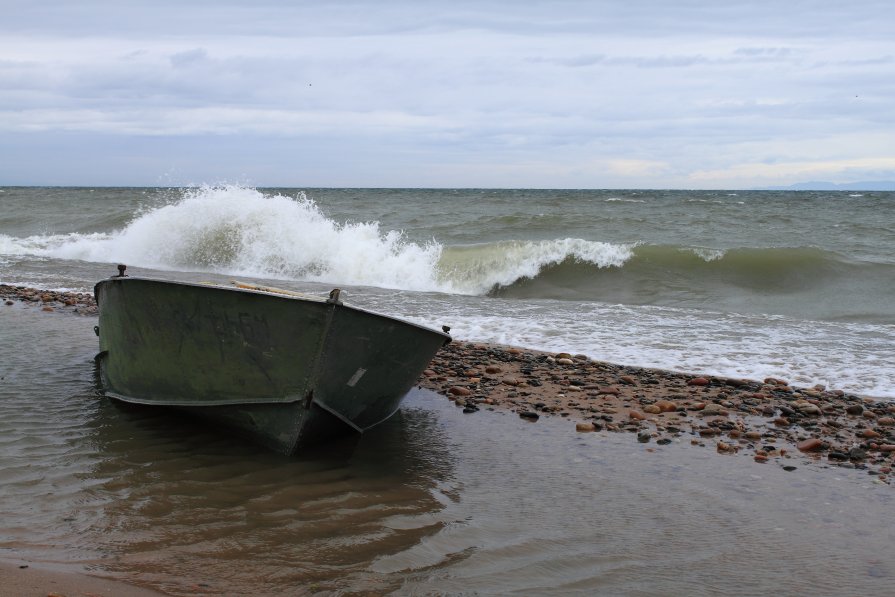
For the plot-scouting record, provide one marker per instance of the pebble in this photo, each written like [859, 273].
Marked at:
[585, 427]
[666, 406]
[810, 445]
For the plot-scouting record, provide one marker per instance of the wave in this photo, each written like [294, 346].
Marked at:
[241, 231]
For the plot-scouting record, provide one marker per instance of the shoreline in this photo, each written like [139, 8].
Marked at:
[770, 419]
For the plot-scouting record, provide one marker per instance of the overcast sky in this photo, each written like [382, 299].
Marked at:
[576, 94]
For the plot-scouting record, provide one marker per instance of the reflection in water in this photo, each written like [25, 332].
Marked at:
[255, 519]
[434, 500]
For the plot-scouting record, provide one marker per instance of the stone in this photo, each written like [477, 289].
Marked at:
[565, 362]
[492, 369]
[644, 436]
[652, 409]
[711, 409]
[459, 391]
[698, 381]
[810, 445]
[628, 380]
[886, 421]
[637, 416]
[529, 415]
[666, 406]
[869, 434]
[585, 427]
[854, 409]
[807, 408]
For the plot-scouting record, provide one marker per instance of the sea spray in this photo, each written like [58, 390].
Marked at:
[241, 231]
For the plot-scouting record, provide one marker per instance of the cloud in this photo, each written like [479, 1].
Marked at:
[581, 93]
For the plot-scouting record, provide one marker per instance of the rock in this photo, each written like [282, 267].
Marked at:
[789, 468]
[644, 436]
[698, 381]
[628, 380]
[565, 362]
[754, 435]
[810, 445]
[652, 409]
[854, 409]
[869, 414]
[807, 408]
[761, 457]
[585, 427]
[460, 391]
[887, 448]
[724, 447]
[530, 415]
[869, 434]
[666, 406]
[492, 369]
[711, 409]
[886, 421]
[610, 390]
[781, 422]
[835, 455]
[637, 416]
[857, 454]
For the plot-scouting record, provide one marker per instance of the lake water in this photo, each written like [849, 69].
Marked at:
[750, 284]
[434, 501]
[795, 285]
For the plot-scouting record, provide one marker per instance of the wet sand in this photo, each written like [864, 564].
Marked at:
[768, 420]
[26, 580]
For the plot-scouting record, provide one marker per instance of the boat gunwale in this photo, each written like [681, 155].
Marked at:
[270, 293]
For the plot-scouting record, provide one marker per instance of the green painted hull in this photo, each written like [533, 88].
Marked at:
[287, 370]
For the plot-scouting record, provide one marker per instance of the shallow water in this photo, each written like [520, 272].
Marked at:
[433, 501]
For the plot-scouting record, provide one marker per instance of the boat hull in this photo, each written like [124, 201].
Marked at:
[288, 371]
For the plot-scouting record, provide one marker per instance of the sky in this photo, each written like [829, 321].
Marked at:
[507, 94]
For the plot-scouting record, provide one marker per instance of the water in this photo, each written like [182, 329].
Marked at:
[436, 501]
[432, 502]
[795, 285]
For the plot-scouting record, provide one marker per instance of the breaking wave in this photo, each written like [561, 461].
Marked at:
[234, 230]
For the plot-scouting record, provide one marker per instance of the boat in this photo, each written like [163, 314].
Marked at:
[286, 369]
